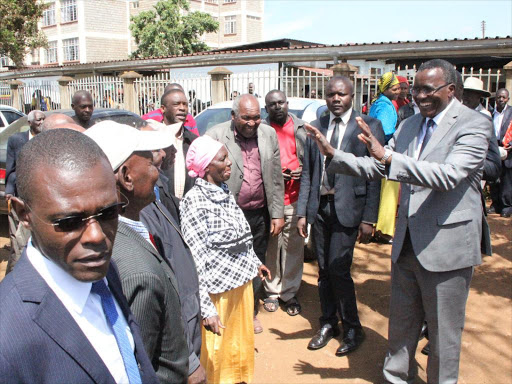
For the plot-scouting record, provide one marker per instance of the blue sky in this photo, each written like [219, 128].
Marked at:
[343, 21]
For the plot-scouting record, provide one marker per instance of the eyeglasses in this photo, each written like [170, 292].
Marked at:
[427, 91]
[75, 222]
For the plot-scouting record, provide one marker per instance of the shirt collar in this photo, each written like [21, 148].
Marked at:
[212, 191]
[437, 118]
[502, 112]
[71, 292]
[345, 117]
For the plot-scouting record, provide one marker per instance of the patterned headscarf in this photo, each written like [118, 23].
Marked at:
[200, 154]
[386, 81]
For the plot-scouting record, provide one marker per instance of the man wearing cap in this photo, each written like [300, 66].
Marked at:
[147, 279]
[63, 315]
[473, 93]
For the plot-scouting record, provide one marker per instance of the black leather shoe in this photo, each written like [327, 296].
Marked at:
[351, 341]
[424, 331]
[491, 209]
[506, 214]
[426, 349]
[322, 337]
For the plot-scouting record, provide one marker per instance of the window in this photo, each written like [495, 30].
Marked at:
[70, 48]
[229, 1]
[68, 11]
[4, 61]
[49, 15]
[135, 4]
[230, 25]
[11, 116]
[51, 52]
[212, 1]
[253, 17]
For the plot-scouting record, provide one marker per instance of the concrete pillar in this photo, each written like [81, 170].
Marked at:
[508, 79]
[15, 94]
[220, 84]
[131, 101]
[344, 69]
[65, 96]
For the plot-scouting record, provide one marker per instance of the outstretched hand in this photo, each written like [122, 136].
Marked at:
[324, 146]
[374, 147]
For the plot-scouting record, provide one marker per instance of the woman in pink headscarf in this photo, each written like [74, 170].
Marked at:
[220, 239]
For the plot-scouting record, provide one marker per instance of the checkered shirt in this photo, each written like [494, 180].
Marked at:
[219, 236]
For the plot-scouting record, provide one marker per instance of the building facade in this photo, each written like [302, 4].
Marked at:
[85, 31]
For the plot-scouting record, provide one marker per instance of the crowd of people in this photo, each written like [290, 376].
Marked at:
[144, 255]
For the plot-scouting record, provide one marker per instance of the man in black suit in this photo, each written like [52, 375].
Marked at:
[17, 233]
[62, 320]
[175, 110]
[342, 209]
[501, 191]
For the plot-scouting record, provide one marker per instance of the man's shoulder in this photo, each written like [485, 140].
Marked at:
[19, 137]
[219, 129]
[267, 130]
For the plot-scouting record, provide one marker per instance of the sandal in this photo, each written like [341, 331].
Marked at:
[271, 304]
[293, 307]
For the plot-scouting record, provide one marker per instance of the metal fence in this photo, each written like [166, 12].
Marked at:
[5, 94]
[262, 82]
[40, 94]
[106, 91]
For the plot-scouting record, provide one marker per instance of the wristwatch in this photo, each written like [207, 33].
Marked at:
[387, 155]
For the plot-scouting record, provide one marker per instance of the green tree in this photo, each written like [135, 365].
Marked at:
[18, 28]
[170, 29]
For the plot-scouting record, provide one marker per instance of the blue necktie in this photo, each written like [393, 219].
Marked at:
[107, 302]
[428, 134]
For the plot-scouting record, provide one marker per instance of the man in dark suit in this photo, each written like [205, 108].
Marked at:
[175, 110]
[438, 156]
[62, 321]
[147, 279]
[341, 209]
[17, 233]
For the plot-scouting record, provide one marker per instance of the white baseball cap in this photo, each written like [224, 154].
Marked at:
[119, 141]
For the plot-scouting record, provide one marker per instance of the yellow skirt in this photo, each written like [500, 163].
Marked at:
[389, 191]
[229, 358]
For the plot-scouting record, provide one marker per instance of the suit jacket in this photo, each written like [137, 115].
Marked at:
[355, 199]
[507, 119]
[440, 202]
[151, 289]
[40, 342]
[188, 138]
[14, 145]
[270, 164]
[170, 243]
[168, 200]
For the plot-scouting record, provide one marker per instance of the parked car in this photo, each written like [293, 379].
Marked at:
[306, 109]
[8, 115]
[21, 125]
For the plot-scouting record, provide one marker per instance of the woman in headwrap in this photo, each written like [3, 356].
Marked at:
[384, 110]
[220, 239]
[402, 99]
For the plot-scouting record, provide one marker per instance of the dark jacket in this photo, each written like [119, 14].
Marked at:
[300, 135]
[152, 292]
[14, 145]
[40, 342]
[355, 198]
[169, 242]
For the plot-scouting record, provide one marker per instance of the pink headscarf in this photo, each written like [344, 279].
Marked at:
[200, 154]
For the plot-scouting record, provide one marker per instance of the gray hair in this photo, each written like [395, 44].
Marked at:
[32, 115]
[235, 109]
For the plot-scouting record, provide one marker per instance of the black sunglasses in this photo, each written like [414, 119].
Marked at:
[75, 222]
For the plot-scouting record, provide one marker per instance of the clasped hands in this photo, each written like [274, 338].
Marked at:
[375, 148]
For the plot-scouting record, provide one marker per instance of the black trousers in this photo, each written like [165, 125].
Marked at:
[334, 245]
[259, 221]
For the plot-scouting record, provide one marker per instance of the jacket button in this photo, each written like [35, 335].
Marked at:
[241, 177]
[412, 191]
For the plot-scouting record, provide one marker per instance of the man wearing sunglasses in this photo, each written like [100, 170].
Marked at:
[147, 278]
[63, 315]
[438, 156]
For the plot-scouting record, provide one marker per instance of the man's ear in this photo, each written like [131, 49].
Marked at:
[124, 178]
[22, 211]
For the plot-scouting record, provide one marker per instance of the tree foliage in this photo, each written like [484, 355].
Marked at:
[170, 29]
[18, 28]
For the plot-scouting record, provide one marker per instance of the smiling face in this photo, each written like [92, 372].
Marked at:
[249, 117]
[339, 94]
[83, 253]
[35, 125]
[219, 169]
[432, 103]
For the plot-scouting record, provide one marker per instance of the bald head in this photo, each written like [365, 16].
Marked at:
[79, 95]
[172, 86]
[244, 99]
[56, 119]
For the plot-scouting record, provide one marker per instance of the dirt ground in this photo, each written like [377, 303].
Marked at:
[282, 356]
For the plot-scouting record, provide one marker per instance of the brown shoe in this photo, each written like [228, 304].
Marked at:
[257, 325]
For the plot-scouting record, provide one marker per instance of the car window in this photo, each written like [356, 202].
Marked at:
[11, 116]
[214, 116]
[297, 112]
[1, 121]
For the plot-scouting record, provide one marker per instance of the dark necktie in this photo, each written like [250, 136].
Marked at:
[428, 134]
[107, 302]
[334, 143]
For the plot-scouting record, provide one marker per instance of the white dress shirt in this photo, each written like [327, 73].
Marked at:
[345, 117]
[437, 120]
[497, 119]
[85, 308]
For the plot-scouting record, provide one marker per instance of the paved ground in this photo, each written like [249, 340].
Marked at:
[282, 357]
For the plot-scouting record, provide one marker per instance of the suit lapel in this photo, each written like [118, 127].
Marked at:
[55, 320]
[350, 129]
[324, 124]
[235, 154]
[414, 132]
[446, 123]
[262, 148]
